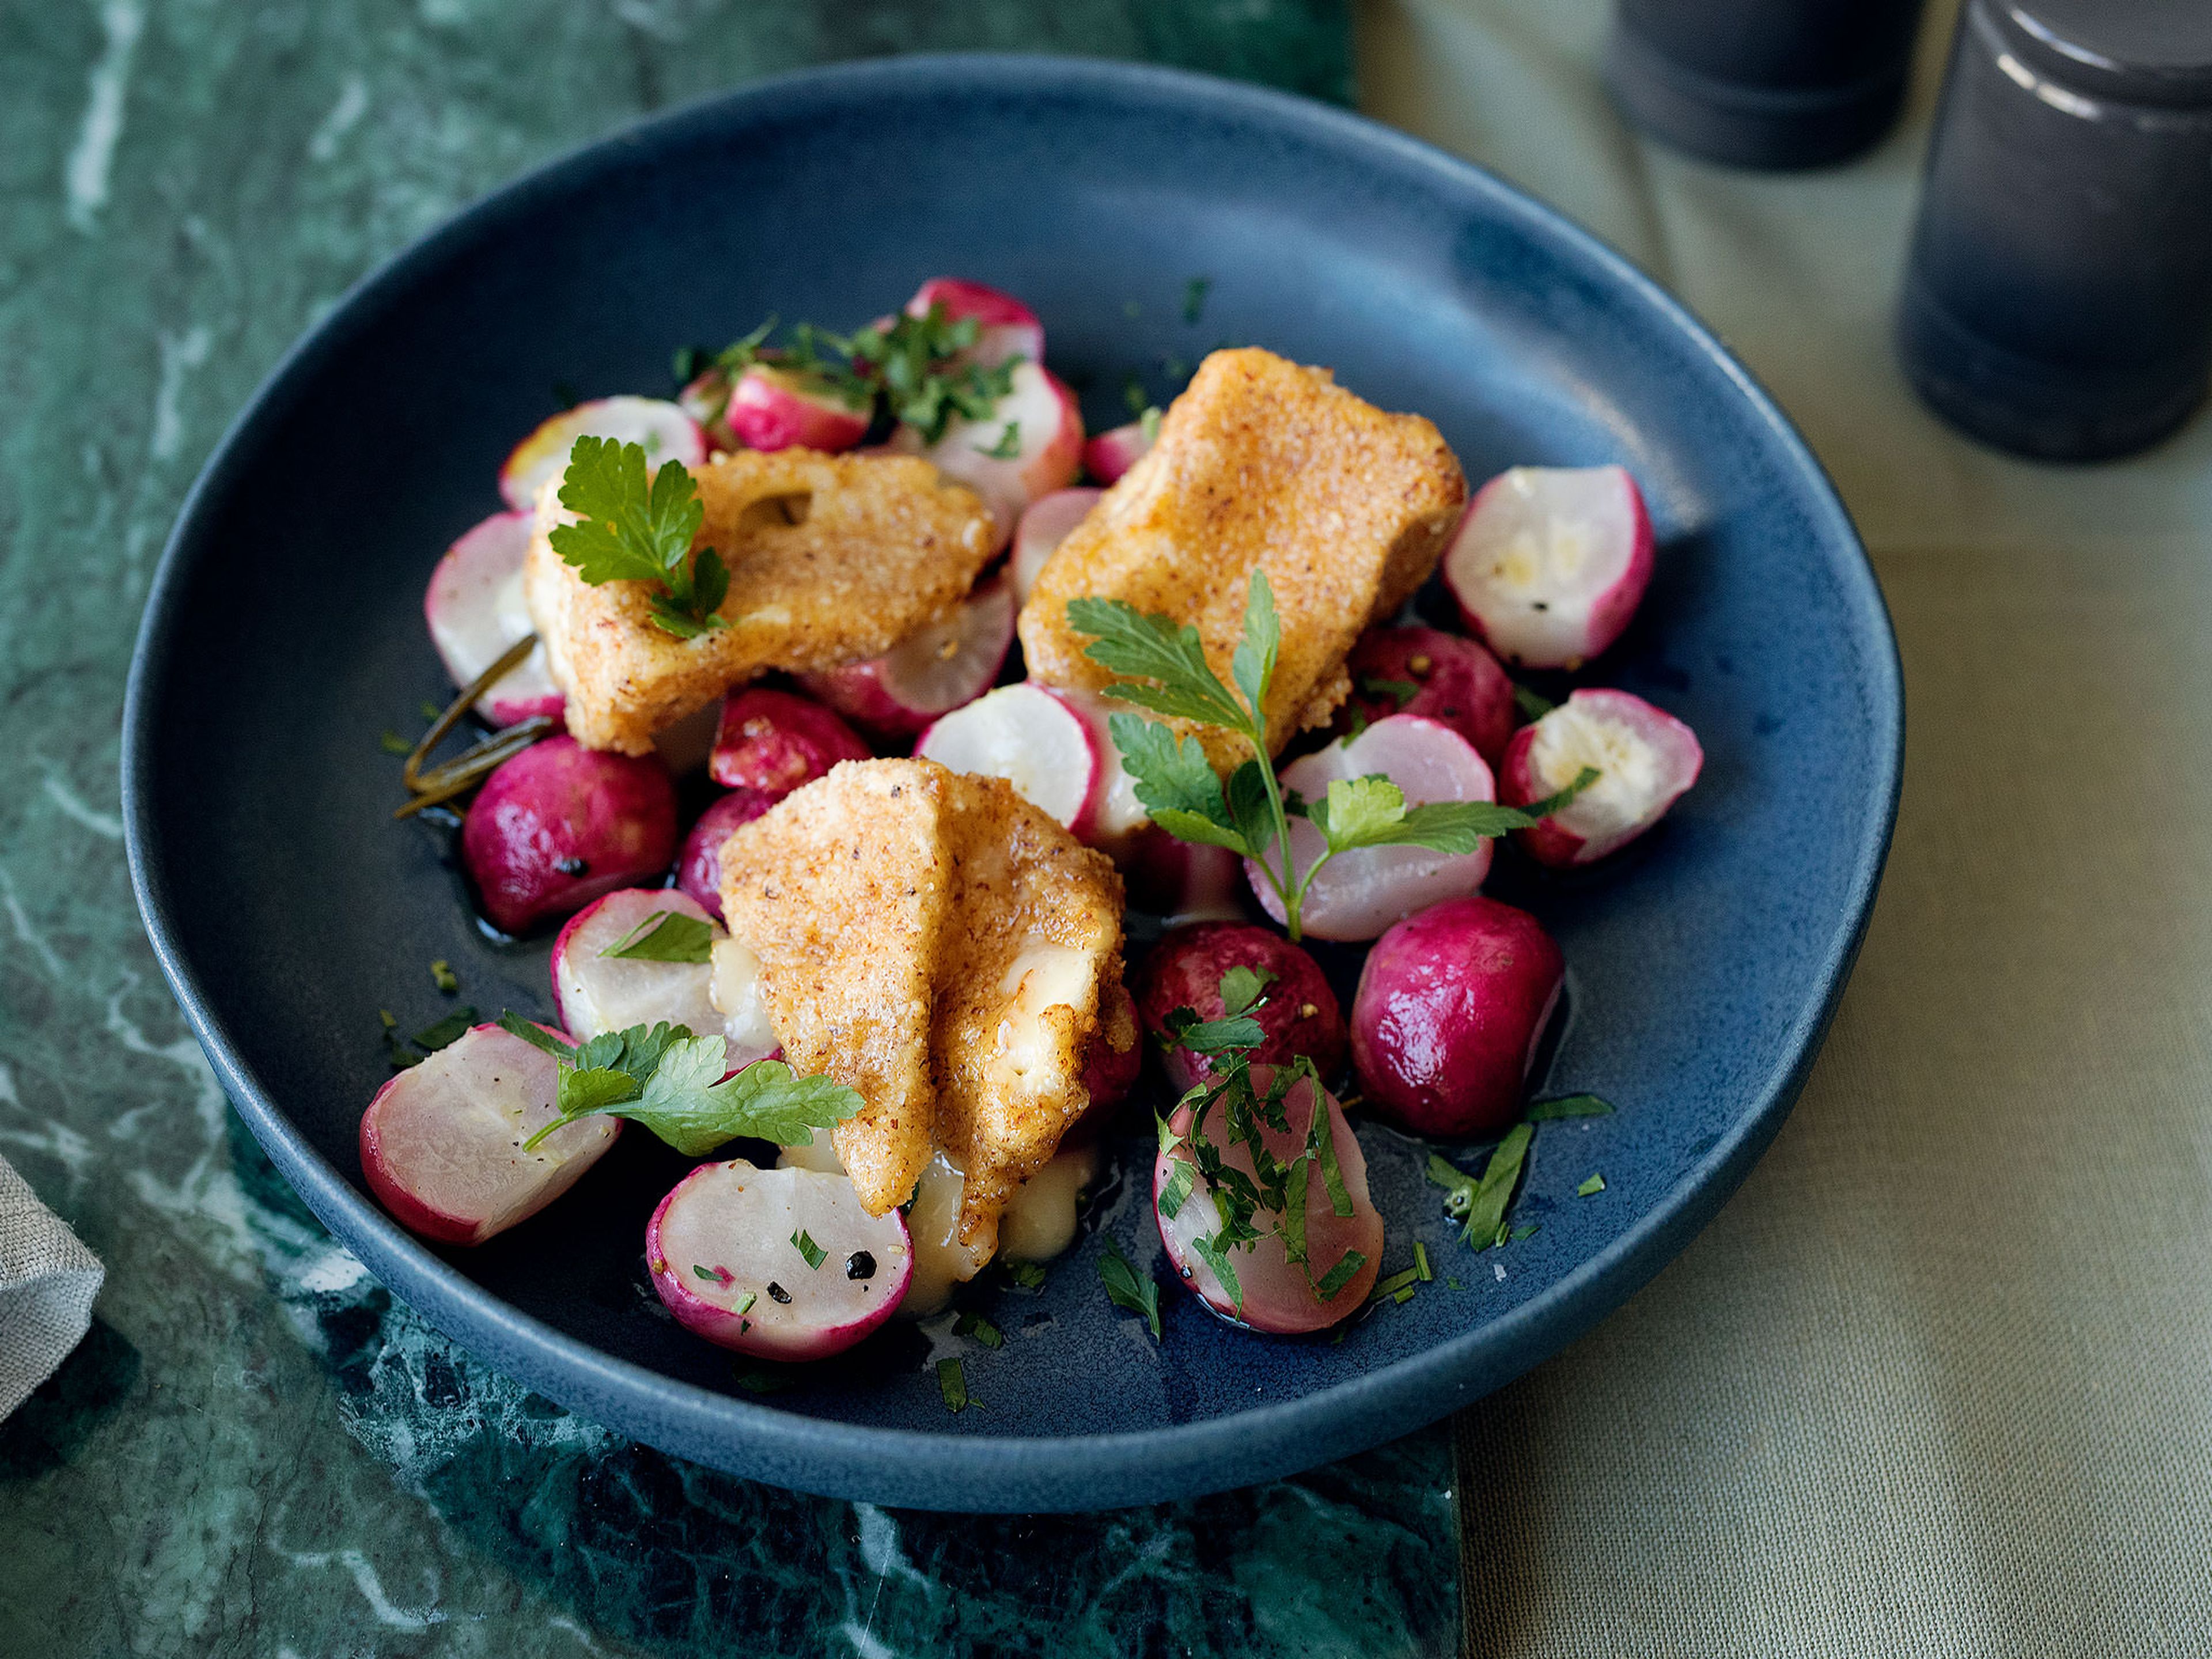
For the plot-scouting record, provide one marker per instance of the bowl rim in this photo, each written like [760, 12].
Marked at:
[984, 1472]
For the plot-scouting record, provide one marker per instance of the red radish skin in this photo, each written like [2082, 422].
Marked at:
[1028, 735]
[441, 1143]
[662, 429]
[1277, 1296]
[1181, 881]
[1455, 680]
[560, 825]
[1008, 329]
[706, 400]
[774, 741]
[1356, 894]
[1451, 1006]
[1114, 820]
[1043, 526]
[1110, 1073]
[1299, 1014]
[1646, 760]
[475, 609]
[1111, 453]
[932, 672]
[1551, 563]
[772, 408]
[699, 865]
[1040, 413]
[725, 1232]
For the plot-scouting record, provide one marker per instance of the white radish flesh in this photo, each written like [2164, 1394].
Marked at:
[1007, 328]
[661, 429]
[1356, 894]
[1551, 563]
[1028, 446]
[1645, 760]
[475, 609]
[596, 993]
[722, 1254]
[1115, 818]
[1029, 737]
[441, 1143]
[932, 672]
[1044, 525]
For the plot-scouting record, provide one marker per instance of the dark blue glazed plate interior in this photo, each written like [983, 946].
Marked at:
[285, 635]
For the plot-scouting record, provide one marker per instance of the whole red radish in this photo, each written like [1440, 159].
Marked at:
[1298, 1012]
[1181, 881]
[1008, 329]
[559, 824]
[1551, 563]
[441, 1143]
[774, 741]
[662, 429]
[1451, 1006]
[773, 408]
[1110, 1070]
[1442, 677]
[1645, 760]
[932, 672]
[475, 609]
[699, 865]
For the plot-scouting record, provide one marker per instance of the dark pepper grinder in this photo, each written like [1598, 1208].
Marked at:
[1763, 83]
[2058, 301]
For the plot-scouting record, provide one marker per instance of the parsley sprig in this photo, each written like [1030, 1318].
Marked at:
[630, 530]
[914, 364]
[672, 1082]
[1164, 669]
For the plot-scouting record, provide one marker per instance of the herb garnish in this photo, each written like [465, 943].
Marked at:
[914, 365]
[1149, 424]
[1398, 1287]
[803, 1242]
[953, 1384]
[974, 1325]
[1568, 1106]
[442, 976]
[672, 1082]
[1481, 1203]
[393, 743]
[1421, 1261]
[1029, 1275]
[1194, 298]
[1532, 706]
[634, 530]
[1127, 1288]
[1009, 447]
[666, 936]
[1595, 1184]
[1164, 669]
[447, 1032]
[756, 1378]
[1401, 692]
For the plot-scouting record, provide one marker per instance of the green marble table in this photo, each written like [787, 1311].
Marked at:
[256, 1450]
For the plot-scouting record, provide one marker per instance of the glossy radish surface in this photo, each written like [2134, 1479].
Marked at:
[721, 1252]
[1298, 1012]
[1445, 677]
[441, 1143]
[1181, 881]
[1114, 819]
[1551, 563]
[1451, 1008]
[772, 408]
[1043, 526]
[1029, 737]
[559, 824]
[774, 741]
[699, 864]
[932, 672]
[475, 609]
[1277, 1294]
[1357, 894]
[1645, 760]
[1008, 328]
[661, 429]
[1112, 453]
[1031, 444]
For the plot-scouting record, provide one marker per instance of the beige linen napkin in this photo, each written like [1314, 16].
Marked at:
[47, 1282]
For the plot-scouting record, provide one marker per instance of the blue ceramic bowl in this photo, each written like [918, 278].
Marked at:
[285, 634]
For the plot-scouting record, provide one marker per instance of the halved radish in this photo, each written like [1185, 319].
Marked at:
[1273, 1292]
[1357, 894]
[441, 1143]
[1028, 446]
[1009, 328]
[1424, 670]
[1114, 820]
[1645, 758]
[1108, 1073]
[1044, 525]
[783, 1264]
[559, 825]
[1181, 881]
[1551, 563]
[475, 612]
[661, 429]
[1113, 452]
[699, 865]
[773, 741]
[773, 408]
[1029, 737]
[706, 400]
[595, 992]
[930, 672]
[1296, 1014]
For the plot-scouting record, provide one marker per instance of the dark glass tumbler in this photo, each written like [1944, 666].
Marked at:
[2058, 299]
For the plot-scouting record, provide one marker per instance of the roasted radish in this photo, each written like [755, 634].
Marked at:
[1645, 760]
[1007, 328]
[1451, 1007]
[1044, 525]
[442, 1144]
[614, 968]
[930, 672]
[773, 408]
[1271, 1292]
[1550, 562]
[1111, 453]
[774, 742]
[662, 429]
[1296, 1011]
[1422, 670]
[1028, 446]
[1356, 894]
[706, 400]
[1181, 881]
[1110, 1072]
[699, 866]
[1026, 735]
[559, 825]
[782, 1264]
[475, 609]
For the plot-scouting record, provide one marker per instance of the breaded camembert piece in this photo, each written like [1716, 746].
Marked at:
[1260, 463]
[832, 559]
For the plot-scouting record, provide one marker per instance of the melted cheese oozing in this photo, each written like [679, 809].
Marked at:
[1043, 976]
[735, 992]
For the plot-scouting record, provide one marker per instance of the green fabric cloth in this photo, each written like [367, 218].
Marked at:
[1939, 1380]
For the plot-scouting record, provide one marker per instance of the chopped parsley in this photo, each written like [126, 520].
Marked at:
[441, 976]
[666, 936]
[803, 1242]
[1481, 1203]
[1398, 1287]
[1149, 424]
[1029, 1275]
[756, 1378]
[1009, 447]
[1568, 1106]
[1193, 299]
[953, 1384]
[447, 1031]
[1127, 1288]
[1595, 1185]
[1532, 706]
[1401, 691]
[1132, 395]
[393, 743]
[1421, 1261]
[974, 1325]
